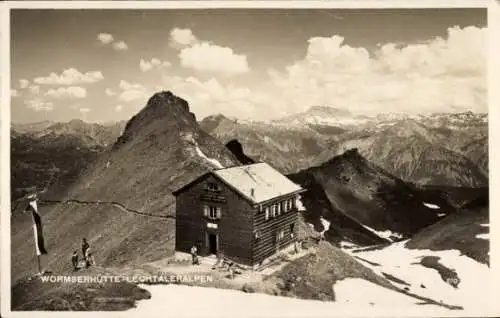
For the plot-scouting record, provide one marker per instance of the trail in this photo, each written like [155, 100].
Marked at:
[112, 203]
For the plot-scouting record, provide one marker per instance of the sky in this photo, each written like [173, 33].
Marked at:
[103, 65]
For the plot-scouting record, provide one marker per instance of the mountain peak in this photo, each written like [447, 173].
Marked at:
[163, 111]
[327, 110]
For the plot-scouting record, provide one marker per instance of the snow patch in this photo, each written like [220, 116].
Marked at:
[404, 263]
[213, 161]
[387, 234]
[189, 138]
[484, 236]
[441, 214]
[347, 244]
[431, 206]
[325, 223]
[177, 300]
[360, 292]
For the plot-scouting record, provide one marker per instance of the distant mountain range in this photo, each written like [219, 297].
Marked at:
[438, 149]
[56, 153]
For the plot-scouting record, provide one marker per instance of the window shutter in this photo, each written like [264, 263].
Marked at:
[218, 212]
[205, 210]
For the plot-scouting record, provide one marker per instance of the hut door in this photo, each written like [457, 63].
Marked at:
[212, 243]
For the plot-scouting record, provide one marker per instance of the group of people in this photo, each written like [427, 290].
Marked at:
[87, 256]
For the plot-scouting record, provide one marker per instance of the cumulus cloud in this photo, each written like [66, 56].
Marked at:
[70, 76]
[105, 38]
[109, 92]
[120, 46]
[67, 92]
[213, 58]
[146, 66]
[118, 108]
[84, 110]
[132, 91]
[206, 56]
[23, 83]
[442, 74]
[38, 104]
[180, 38]
[34, 89]
[212, 96]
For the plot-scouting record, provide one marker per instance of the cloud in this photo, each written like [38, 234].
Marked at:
[213, 58]
[23, 83]
[118, 108]
[14, 93]
[212, 96]
[146, 66]
[67, 92]
[205, 56]
[84, 110]
[70, 76]
[38, 104]
[105, 38]
[180, 38]
[34, 89]
[442, 74]
[132, 91]
[120, 46]
[109, 92]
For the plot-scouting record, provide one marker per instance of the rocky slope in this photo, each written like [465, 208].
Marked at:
[161, 148]
[411, 151]
[364, 203]
[288, 149]
[436, 149]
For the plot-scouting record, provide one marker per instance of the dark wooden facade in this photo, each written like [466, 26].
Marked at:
[240, 230]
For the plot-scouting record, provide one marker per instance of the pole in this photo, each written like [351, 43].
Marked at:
[36, 246]
[39, 266]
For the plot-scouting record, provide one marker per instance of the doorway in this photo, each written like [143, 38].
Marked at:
[212, 243]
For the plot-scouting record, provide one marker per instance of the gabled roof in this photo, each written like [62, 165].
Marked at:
[258, 182]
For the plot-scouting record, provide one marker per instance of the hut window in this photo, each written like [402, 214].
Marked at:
[212, 187]
[292, 230]
[273, 210]
[212, 212]
[267, 213]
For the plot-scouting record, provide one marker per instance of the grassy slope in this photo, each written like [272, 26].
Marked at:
[150, 160]
[312, 276]
[34, 294]
[457, 231]
[349, 190]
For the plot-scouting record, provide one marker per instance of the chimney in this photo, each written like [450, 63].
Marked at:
[252, 192]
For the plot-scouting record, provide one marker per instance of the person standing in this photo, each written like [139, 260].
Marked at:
[194, 255]
[85, 247]
[74, 260]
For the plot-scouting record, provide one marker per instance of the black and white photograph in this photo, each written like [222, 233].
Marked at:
[239, 159]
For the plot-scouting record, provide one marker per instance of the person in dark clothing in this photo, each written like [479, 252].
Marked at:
[74, 260]
[85, 247]
[194, 255]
